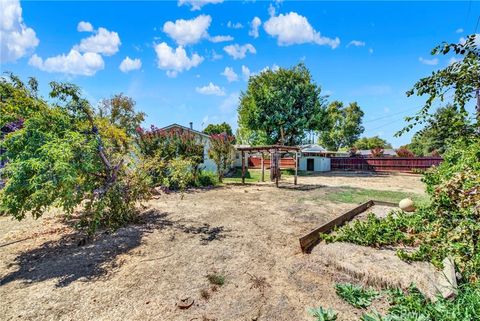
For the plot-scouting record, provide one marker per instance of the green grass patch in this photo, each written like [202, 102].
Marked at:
[321, 314]
[216, 279]
[362, 195]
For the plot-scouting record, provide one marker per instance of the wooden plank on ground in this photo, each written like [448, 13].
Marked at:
[312, 238]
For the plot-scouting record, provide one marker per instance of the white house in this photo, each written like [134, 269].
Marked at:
[203, 139]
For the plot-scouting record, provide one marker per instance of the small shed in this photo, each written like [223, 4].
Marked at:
[314, 158]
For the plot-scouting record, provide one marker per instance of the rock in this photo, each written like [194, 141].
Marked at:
[448, 285]
[407, 205]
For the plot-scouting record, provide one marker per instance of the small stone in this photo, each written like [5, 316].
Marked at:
[407, 205]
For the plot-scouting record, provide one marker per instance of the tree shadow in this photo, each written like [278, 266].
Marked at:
[301, 187]
[67, 260]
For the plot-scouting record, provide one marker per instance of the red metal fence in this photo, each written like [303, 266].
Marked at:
[385, 164]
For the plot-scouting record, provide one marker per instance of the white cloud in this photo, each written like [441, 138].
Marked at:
[230, 103]
[356, 43]
[256, 22]
[239, 52]
[236, 25]
[459, 30]
[245, 73]
[74, 63]
[84, 26]
[431, 62]
[292, 28]
[216, 56]
[128, 64]
[210, 89]
[104, 42]
[230, 74]
[16, 39]
[187, 32]
[175, 61]
[197, 4]
[216, 39]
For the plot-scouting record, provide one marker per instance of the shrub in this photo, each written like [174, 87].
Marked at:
[206, 178]
[322, 314]
[404, 152]
[221, 152]
[356, 295]
[179, 174]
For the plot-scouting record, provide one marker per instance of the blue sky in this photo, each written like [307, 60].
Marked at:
[188, 62]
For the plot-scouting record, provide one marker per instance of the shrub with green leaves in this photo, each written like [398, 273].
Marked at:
[64, 155]
[356, 295]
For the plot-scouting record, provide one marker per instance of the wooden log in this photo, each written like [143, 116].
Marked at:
[296, 168]
[313, 238]
[243, 167]
[263, 168]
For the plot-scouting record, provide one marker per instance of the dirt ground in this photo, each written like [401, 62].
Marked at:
[248, 234]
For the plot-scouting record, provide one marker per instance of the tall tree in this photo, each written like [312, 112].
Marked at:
[120, 111]
[371, 142]
[344, 126]
[218, 129]
[444, 126]
[462, 77]
[283, 104]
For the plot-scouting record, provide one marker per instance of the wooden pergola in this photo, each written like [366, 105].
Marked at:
[275, 152]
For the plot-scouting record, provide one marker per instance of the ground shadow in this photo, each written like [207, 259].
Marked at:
[68, 260]
[301, 187]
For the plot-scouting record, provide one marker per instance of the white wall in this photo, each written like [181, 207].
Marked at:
[320, 164]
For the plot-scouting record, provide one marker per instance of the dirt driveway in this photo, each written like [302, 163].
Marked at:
[247, 234]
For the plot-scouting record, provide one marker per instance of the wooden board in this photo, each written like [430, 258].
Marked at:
[313, 238]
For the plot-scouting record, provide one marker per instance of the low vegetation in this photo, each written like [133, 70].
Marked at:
[321, 314]
[356, 295]
[361, 195]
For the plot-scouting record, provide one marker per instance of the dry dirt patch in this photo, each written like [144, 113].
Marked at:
[247, 234]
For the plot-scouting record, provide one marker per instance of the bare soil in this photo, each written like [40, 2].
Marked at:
[247, 234]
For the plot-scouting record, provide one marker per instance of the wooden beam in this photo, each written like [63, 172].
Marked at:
[263, 168]
[313, 238]
[243, 167]
[296, 168]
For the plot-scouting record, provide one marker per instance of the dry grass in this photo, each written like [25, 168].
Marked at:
[249, 233]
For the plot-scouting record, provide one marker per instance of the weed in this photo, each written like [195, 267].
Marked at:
[205, 294]
[356, 295]
[216, 279]
[323, 314]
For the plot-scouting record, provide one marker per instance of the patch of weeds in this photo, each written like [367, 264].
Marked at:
[216, 279]
[258, 282]
[322, 314]
[356, 295]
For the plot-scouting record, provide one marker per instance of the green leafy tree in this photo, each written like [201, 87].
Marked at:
[344, 126]
[120, 111]
[221, 152]
[443, 127]
[218, 129]
[61, 157]
[371, 142]
[462, 77]
[282, 104]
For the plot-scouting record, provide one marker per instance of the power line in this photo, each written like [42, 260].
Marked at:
[389, 115]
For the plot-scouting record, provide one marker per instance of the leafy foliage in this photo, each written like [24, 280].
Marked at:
[461, 76]
[63, 155]
[404, 152]
[221, 152]
[371, 142]
[282, 104]
[343, 126]
[445, 126]
[356, 295]
[120, 110]
[218, 129]
[322, 314]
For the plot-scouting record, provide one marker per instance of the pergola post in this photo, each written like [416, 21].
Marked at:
[243, 167]
[263, 168]
[296, 168]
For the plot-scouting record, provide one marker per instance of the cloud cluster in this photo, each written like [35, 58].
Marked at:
[356, 43]
[239, 52]
[230, 74]
[84, 59]
[129, 64]
[16, 39]
[175, 61]
[292, 28]
[73, 63]
[197, 4]
[188, 32]
[210, 89]
[254, 25]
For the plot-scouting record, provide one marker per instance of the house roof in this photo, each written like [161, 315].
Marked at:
[312, 148]
[174, 125]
